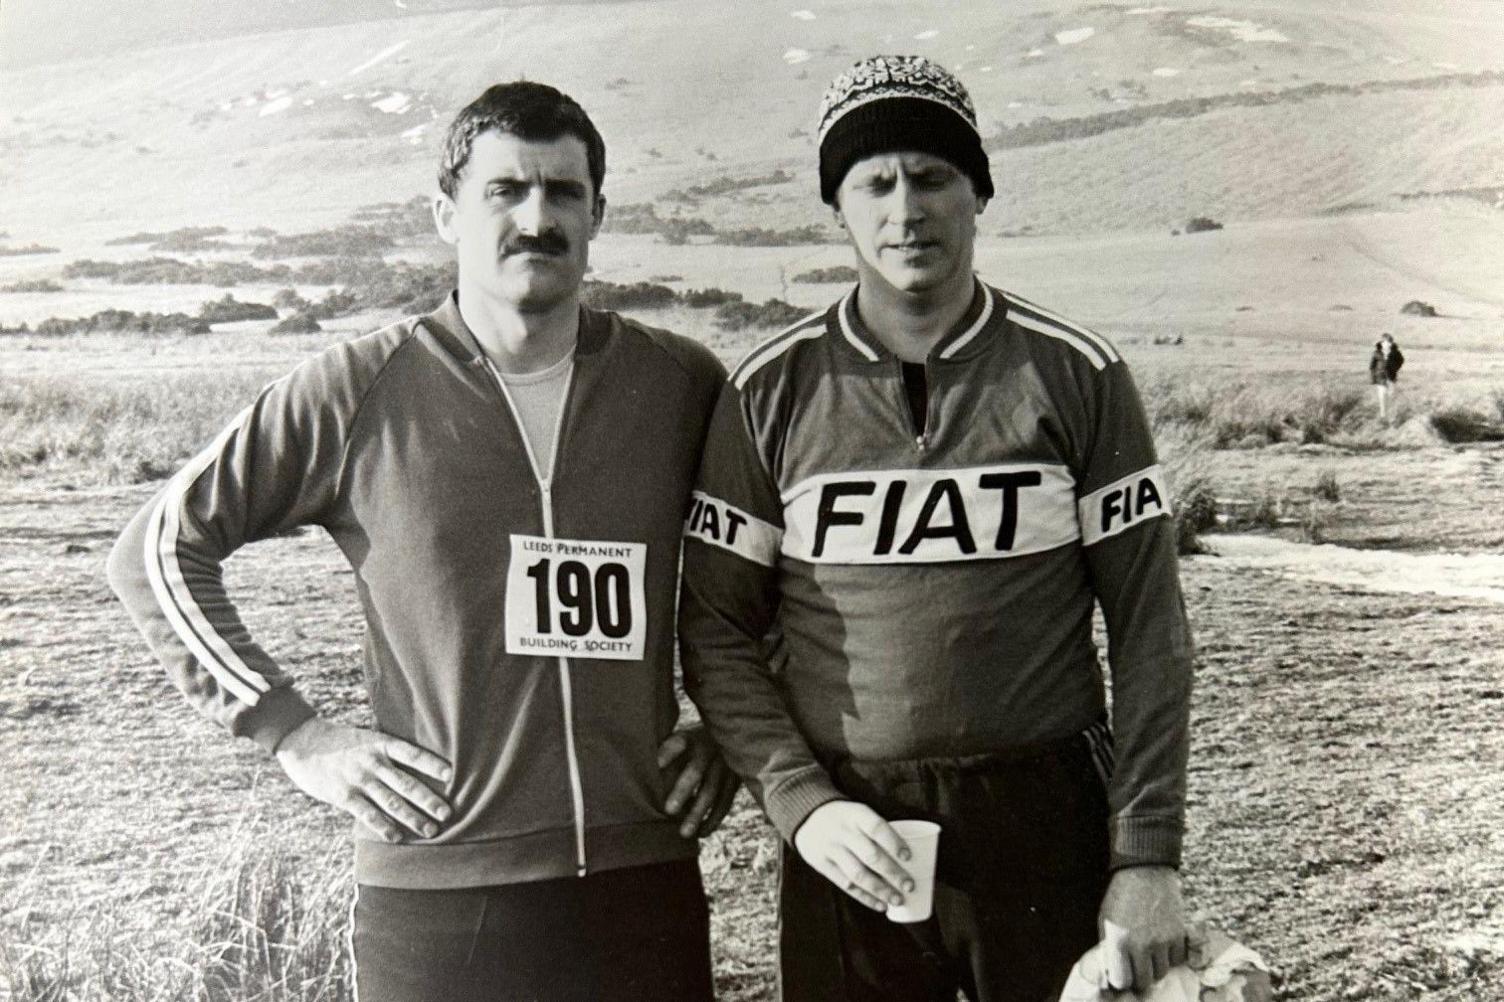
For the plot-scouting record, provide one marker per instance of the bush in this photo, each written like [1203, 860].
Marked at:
[343, 241]
[28, 249]
[756, 236]
[33, 285]
[741, 314]
[637, 296]
[1202, 224]
[124, 321]
[298, 323]
[839, 273]
[1416, 308]
[229, 309]
[184, 234]
[288, 301]
[705, 298]
[1327, 488]
[1458, 425]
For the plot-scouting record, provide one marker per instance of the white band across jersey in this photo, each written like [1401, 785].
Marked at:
[930, 516]
[1124, 503]
[713, 521]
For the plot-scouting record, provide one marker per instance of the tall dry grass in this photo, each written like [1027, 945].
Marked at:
[258, 927]
[116, 432]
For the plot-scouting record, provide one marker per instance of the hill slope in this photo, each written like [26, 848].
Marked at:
[1103, 116]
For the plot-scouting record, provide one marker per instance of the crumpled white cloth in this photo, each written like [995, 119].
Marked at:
[1222, 970]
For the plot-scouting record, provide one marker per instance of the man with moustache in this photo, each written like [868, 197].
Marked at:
[927, 488]
[508, 477]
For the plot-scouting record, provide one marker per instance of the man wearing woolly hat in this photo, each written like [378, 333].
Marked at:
[927, 488]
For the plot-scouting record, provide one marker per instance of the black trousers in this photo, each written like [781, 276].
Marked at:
[1021, 873]
[638, 934]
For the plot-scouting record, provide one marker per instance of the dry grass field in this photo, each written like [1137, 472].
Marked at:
[1348, 600]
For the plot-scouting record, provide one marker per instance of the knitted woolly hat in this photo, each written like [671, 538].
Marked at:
[889, 103]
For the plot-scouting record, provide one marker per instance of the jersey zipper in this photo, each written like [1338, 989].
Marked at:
[921, 436]
[566, 688]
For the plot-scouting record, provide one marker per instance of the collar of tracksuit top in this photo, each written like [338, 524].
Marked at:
[401, 444]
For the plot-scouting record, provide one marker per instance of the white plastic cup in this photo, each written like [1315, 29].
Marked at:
[923, 838]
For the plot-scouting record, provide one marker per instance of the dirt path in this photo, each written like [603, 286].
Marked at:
[1453, 575]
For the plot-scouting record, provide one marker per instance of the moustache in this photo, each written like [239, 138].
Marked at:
[551, 242]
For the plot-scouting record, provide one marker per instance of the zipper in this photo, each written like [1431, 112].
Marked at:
[566, 688]
[921, 438]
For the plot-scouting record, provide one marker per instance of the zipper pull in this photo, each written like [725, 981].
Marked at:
[923, 441]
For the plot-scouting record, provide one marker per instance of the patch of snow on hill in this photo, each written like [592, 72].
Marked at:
[1074, 36]
[1033, 53]
[796, 56]
[927, 34]
[382, 56]
[1243, 31]
[1149, 10]
[394, 103]
[803, 15]
[415, 134]
[1166, 71]
[274, 106]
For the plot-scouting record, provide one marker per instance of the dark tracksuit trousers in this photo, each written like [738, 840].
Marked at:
[636, 934]
[1021, 873]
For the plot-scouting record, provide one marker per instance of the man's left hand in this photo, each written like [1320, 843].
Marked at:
[1143, 927]
[705, 787]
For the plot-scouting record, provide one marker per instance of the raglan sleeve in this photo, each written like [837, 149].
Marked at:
[273, 468]
[1128, 533]
[727, 608]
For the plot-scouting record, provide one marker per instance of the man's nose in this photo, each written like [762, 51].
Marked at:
[908, 202]
[530, 215]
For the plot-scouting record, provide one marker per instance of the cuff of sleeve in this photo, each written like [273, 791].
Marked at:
[796, 798]
[1145, 842]
[279, 712]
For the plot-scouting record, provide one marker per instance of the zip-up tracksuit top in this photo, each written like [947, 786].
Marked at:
[935, 590]
[520, 629]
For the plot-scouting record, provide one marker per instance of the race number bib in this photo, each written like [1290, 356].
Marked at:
[576, 598]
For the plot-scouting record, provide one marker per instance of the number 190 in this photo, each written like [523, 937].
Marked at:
[587, 601]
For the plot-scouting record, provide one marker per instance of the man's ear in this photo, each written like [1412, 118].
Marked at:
[597, 215]
[443, 218]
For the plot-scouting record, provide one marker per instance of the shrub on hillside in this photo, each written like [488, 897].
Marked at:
[705, 298]
[28, 249]
[1463, 424]
[398, 220]
[1201, 224]
[342, 241]
[173, 271]
[33, 285]
[123, 322]
[725, 185]
[757, 236]
[229, 309]
[1416, 308]
[637, 296]
[741, 314]
[185, 233]
[288, 301]
[838, 273]
[298, 323]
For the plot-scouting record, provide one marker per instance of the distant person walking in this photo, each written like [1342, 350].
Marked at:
[1383, 369]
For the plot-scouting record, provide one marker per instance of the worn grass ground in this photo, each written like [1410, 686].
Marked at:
[1343, 817]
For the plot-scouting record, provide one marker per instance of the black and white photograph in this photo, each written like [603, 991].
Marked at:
[829, 501]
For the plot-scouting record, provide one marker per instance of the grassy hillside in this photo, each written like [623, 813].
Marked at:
[1184, 109]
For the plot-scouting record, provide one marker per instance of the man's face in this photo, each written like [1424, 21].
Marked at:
[912, 218]
[522, 219]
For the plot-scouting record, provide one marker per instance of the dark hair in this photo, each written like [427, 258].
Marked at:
[528, 110]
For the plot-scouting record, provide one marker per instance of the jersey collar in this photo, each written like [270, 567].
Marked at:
[952, 346]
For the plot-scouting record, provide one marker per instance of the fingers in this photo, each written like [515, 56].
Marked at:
[837, 876]
[418, 759]
[865, 868]
[671, 748]
[691, 778]
[408, 801]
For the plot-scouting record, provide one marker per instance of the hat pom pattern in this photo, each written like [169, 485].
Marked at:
[881, 77]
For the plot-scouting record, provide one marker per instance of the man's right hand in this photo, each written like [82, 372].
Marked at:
[855, 849]
[368, 775]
